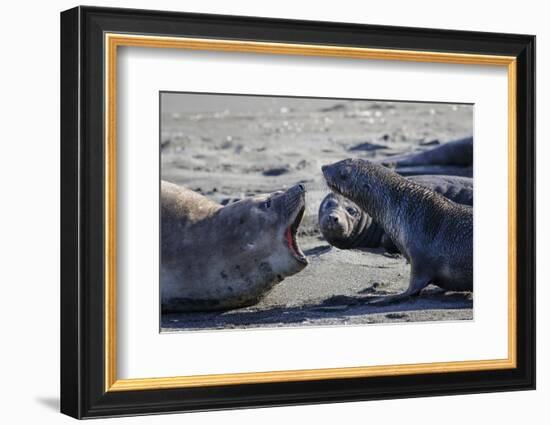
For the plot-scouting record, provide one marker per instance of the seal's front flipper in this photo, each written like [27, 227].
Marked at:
[390, 299]
[416, 285]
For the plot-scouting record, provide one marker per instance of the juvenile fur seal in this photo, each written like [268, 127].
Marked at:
[216, 257]
[432, 232]
[455, 158]
[346, 226]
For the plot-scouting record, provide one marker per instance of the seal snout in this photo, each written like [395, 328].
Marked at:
[333, 224]
[337, 174]
[297, 189]
[327, 171]
[294, 197]
[331, 220]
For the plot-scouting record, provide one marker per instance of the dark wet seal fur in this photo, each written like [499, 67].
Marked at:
[452, 158]
[434, 233]
[216, 257]
[346, 226]
[458, 152]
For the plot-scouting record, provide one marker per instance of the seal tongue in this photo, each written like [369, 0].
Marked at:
[290, 241]
[290, 236]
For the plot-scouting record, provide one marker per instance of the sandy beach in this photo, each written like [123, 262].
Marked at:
[230, 147]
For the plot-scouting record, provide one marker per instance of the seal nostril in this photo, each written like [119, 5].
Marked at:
[335, 219]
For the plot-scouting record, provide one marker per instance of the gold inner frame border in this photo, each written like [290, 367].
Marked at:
[111, 43]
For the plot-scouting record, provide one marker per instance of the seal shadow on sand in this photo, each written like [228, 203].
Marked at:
[336, 308]
[331, 310]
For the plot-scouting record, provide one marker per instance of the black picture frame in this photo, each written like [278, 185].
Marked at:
[83, 392]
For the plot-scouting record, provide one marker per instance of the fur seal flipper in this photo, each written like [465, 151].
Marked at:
[432, 232]
[216, 257]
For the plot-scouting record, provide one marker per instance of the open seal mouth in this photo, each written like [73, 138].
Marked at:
[290, 237]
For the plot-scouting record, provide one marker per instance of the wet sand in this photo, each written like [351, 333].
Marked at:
[228, 148]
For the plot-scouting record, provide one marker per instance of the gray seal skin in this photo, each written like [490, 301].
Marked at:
[346, 226]
[216, 257]
[434, 233]
[454, 158]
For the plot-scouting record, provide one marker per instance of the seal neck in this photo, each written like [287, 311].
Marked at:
[368, 233]
[389, 199]
[371, 236]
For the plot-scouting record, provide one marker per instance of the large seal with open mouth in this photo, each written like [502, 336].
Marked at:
[434, 233]
[346, 226]
[216, 257]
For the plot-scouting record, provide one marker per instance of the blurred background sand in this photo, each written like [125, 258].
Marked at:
[227, 147]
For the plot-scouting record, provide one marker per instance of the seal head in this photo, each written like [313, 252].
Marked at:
[345, 225]
[266, 225]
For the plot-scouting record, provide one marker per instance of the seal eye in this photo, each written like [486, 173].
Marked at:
[351, 211]
[330, 204]
[267, 204]
[343, 174]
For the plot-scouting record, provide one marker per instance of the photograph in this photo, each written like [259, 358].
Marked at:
[263, 211]
[283, 211]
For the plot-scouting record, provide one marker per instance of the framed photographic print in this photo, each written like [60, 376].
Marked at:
[261, 212]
